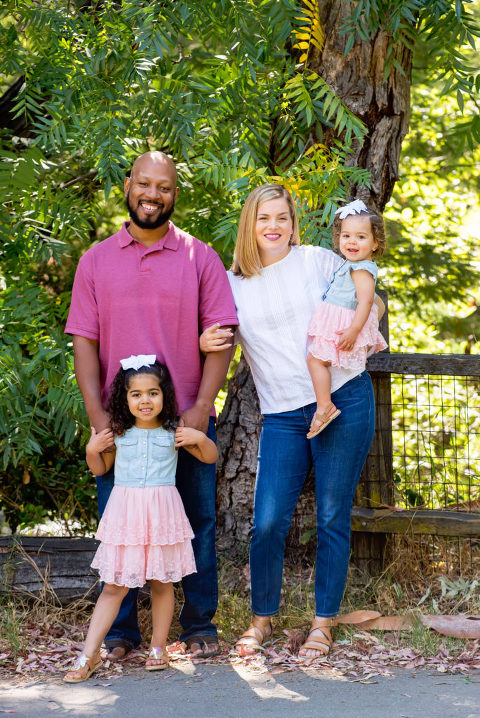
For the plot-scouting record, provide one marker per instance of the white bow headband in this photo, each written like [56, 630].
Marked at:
[136, 362]
[355, 207]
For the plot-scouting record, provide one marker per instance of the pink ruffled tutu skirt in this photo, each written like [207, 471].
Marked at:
[145, 534]
[328, 319]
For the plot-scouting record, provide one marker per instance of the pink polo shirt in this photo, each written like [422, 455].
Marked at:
[134, 299]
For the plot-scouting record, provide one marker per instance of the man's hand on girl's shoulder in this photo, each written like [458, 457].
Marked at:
[101, 441]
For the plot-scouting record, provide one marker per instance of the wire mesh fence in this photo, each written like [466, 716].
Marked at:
[436, 441]
[430, 422]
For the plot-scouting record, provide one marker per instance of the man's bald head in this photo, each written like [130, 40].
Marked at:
[154, 159]
[150, 192]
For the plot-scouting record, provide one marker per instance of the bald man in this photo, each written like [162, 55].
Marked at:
[149, 289]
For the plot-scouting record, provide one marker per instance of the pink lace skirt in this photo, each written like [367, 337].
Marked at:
[145, 534]
[328, 319]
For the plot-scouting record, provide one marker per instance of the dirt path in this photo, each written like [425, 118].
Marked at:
[188, 690]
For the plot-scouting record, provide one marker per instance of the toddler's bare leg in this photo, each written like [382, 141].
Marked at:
[321, 381]
[322, 384]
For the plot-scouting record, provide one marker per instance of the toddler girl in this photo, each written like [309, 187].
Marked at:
[345, 325]
[144, 531]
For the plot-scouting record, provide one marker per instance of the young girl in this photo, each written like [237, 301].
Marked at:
[345, 325]
[144, 531]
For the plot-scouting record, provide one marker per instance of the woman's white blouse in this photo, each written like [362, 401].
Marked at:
[274, 310]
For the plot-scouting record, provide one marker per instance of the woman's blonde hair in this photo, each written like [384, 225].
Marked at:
[246, 258]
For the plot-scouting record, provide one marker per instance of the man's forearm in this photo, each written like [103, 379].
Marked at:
[87, 373]
[214, 372]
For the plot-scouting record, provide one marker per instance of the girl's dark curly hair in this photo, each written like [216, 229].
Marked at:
[117, 406]
[378, 231]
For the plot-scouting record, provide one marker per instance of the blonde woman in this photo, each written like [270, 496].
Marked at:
[277, 283]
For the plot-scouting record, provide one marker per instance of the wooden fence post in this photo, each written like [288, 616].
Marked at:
[376, 482]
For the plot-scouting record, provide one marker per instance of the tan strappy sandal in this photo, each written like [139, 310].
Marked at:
[319, 639]
[322, 419]
[83, 668]
[259, 631]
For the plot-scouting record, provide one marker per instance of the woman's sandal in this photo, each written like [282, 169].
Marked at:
[323, 419]
[160, 656]
[256, 634]
[319, 639]
[83, 668]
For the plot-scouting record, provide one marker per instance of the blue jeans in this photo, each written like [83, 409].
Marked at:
[284, 460]
[196, 483]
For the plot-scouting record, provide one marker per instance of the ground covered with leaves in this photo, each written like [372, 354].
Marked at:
[40, 639]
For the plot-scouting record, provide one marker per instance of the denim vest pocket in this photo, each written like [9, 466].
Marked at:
[128, 446]
[162, 440]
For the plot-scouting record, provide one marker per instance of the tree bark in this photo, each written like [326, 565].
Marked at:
[384, 107]
[238, 430]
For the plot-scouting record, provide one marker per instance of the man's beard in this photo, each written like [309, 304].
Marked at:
[149, 223]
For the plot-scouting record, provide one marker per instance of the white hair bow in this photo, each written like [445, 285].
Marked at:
[354, 207]
[136, 362]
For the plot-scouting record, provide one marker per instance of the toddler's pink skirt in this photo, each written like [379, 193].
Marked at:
[145, 534]
[328, 319]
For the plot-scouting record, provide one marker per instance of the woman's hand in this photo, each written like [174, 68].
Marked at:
[215, 339]
[103, 441]
[347, 339]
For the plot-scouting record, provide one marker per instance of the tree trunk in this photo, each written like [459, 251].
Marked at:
[238, 431]
[384, 107]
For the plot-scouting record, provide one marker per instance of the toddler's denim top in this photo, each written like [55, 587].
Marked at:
[342, 289]
[145, 457]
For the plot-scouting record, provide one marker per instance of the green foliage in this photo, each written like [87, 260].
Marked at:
[225, 88]
[102, 83]
[432, 264]
[444, 27]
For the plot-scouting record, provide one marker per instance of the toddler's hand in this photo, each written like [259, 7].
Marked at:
[103, 441]
[186, 436]
[347, 339]
[215, 339]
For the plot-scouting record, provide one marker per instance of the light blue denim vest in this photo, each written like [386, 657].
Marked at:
[145, 457]
[342, 289]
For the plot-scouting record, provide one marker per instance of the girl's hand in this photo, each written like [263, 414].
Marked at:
[215, 339]
[347, 339]
[186, 436]
[103, 441]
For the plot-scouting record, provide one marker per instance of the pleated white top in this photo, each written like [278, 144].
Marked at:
[274, 311]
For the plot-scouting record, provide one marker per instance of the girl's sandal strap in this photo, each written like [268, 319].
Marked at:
[83, 668]
[157, 654]
[322, 420]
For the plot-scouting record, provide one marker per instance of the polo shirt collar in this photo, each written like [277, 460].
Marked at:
[168, 241]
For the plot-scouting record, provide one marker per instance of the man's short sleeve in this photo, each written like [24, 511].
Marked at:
[216, 299]
[83, 315]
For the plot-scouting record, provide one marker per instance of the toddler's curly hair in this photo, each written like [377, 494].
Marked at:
[117, 407]
[378, 231]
